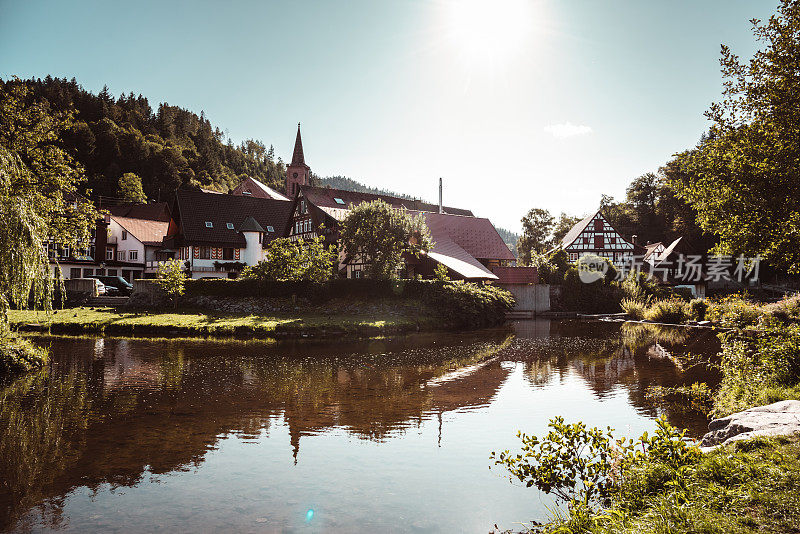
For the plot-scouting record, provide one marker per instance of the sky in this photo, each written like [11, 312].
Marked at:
[516, 104]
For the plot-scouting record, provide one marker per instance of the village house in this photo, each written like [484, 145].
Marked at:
[218, 235]
[595, 235]
[468, 246]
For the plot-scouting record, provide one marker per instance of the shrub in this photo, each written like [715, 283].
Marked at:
[787, 309]
[466, 304]
[758, 367]
[697, 309]
[171, 279]
[733, 311]
[671, 311]
[18, 355]
[634, 308]
[639, 286]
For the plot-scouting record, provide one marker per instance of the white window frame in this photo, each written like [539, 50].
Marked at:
[209, 224]
[133, 255]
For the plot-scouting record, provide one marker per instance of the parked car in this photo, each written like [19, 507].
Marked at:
[116, 285]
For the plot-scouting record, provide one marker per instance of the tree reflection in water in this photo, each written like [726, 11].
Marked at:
[113, 411]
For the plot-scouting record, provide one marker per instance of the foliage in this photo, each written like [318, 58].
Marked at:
[759, 367]
[380, 236]
[786, 309]
[562, 226]
[742, 177]
[171, 279]
[467, 304]
[440, 273]
[18, 355]
[672, 311]
[698, 309]
[698, 395]
[288, 260]
[733, 311]
[634, 308]
[537, 225]
[639, 286]
[584, 467]
[167, 148]
[130, 189]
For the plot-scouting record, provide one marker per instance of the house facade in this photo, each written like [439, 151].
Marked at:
[218, 235]
[595, 235]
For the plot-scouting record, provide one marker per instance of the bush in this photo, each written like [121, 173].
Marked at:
[672, 311]
[18, 355]
[787, 309]
[634, 308]
[639, 286]
[697, 309]
[759, 367]
[468, 305]
[733, 311]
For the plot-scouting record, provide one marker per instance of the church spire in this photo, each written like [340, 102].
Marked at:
[297, 155]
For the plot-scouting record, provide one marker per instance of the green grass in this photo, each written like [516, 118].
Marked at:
[193, 323]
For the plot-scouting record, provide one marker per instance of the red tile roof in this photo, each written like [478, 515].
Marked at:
[476, 235]
[516, 275]
[147, 232]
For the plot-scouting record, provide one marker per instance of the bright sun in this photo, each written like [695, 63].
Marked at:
[489, 30]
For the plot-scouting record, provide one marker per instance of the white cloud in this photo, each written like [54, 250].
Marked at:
[567, 129]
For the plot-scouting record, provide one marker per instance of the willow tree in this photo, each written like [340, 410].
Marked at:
[39, 198]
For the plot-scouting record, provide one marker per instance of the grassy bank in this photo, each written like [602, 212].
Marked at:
[191, 323]
[18, 355]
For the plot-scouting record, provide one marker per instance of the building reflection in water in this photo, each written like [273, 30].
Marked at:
[111, 411]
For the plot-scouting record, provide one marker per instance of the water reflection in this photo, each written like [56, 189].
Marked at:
[111, 414]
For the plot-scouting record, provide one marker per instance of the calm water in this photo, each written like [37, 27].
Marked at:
[386, 435]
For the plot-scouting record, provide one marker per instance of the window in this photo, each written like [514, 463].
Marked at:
[209, 224]
[124, 235]
[121, 255]
[338, 200]
[75, 272]
[87, 273]
[109, 253]
[205, 253]
[112, 272]
[270, 229]
[598, 225]
[355, 274]
[613, 240]
[91, 251]
[573, 256]
[133, 255]
[246, 193]
[306, 225]
[599, 241]
[229, 226]
[227, 253]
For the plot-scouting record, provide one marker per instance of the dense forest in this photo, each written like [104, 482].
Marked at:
[132, 152]
[166, 148]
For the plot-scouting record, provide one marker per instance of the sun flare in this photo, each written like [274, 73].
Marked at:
[489, 30]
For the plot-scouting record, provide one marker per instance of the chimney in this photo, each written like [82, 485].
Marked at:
[440, 196]
[635, 239]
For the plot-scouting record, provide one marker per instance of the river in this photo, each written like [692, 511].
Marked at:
[381, 435]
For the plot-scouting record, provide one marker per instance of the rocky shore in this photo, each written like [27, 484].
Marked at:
[777, 419]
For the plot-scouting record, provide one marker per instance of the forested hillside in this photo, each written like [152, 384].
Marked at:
[166, 147]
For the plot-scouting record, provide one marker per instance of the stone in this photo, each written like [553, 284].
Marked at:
[777, 419]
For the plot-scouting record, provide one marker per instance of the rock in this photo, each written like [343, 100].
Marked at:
[778, 419]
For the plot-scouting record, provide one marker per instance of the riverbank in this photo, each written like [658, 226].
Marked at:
[192, 323]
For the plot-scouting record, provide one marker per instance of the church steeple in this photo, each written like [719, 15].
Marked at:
[297, 155]
[297, 173]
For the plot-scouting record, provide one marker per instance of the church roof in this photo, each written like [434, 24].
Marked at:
[298, 159]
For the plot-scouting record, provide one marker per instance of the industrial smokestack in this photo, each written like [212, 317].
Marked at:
[440, 196]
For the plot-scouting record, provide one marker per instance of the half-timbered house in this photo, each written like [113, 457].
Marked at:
[595, 235]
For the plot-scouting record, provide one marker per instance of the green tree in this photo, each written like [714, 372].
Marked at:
[129, 188]
[563, 225]
[171, 279]
[742, 178]
[537, 225]
[380, 235]
[291, 260]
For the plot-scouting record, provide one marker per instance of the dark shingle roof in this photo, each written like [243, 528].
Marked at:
[325, 198]
[157, 211]
[195, 208]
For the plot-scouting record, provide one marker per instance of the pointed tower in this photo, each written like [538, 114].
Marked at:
[297, 173]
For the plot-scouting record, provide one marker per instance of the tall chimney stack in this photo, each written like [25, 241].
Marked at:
[441, 210]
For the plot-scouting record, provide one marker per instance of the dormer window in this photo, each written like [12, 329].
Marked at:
[209, 224]
[229, 226]
[246, 193]
[270, 229]
[338, 200]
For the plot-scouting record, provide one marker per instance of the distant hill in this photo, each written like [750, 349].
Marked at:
[348, 184]
[168, 147]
